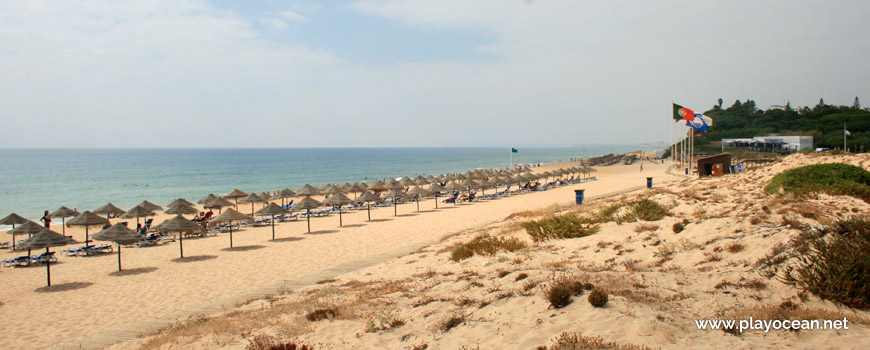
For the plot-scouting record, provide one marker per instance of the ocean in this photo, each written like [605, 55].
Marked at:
[35, 180]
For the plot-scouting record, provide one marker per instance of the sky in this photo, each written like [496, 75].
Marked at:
[409, 73]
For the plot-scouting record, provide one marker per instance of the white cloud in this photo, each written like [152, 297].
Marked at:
[183, 73]
[291, 15]
[274, 23]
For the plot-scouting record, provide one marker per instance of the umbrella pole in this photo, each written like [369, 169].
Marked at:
[369, 210]
[63, 225]
[418, 204]
[308, 215]
[48, 269]
[231, 234]
[181, 244]
[86, 233]
[119, 256]
[339, 217]
[273, 227]
[436, 202]
[13, 241]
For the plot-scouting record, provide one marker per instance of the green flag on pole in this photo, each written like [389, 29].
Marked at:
[514, 150]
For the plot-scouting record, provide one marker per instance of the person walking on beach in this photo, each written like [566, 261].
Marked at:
[641, 167]
[46, 219]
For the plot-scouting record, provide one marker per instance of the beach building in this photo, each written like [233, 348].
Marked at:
[716, 165]
[772, 143]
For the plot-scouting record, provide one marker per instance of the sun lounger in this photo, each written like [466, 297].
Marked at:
[4, 244]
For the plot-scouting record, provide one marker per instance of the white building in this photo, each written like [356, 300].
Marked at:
[772, 143]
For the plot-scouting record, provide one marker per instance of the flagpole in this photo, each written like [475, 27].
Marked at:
[845, 149]
[511, 164]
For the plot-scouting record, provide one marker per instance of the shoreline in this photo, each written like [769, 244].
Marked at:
[167, 285]
[145, 189]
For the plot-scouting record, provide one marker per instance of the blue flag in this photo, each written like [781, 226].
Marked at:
[701, 122]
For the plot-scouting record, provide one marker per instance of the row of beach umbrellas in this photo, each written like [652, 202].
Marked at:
[40, 237]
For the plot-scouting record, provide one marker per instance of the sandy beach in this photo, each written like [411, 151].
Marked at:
[659, 280]
[88, 295]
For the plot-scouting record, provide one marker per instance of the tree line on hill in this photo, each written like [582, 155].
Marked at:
[824, 122]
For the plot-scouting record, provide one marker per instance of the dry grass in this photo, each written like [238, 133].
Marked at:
[645, 227]
[755, 284]
[788, 311]
[735, 247]
[577, 341]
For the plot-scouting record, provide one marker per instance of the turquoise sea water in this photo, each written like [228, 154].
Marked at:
[34, 180]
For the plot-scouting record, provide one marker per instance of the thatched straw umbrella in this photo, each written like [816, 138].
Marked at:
[150, 206]
[394, 185]
[417, 192]
[87, 219]
[272, 209]
[435, 189]
[218, 203]
[252, 198]
[356, 189]
[284, 194]
[120, 234]
[337, 200]
[368, 197]
[235, 195]
[108, 209]
[206, 199]
[137, 212]
[406, 182]
[229, 216]
[29, 228]
[377, 186]
[13, 219]
[180, 201]
[307, 190]
[181, 209]
[46, 239]
[395, 194]
[308, 203]
[180, 225]
[63, 213]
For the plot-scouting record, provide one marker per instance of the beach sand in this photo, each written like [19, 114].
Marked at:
[88, 296]
[659, 280]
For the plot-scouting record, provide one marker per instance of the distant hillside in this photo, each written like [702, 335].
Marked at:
[823, 122]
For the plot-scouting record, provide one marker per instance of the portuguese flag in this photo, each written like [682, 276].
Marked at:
[683, 113]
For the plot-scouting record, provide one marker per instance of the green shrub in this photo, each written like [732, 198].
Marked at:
[559, 227]
[679, 227]
[834, 265]
[598, 298]
[806, 150]
[486, 245]
[833, 179]
[646, 210]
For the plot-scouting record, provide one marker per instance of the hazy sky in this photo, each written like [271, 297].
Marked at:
[196, 73]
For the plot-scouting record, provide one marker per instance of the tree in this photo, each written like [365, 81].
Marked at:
[821, 102]
[856, 105]
[788, 106]
[720, 103]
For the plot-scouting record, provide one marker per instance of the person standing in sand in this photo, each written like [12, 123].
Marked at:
[46, 219]
[641, 167]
